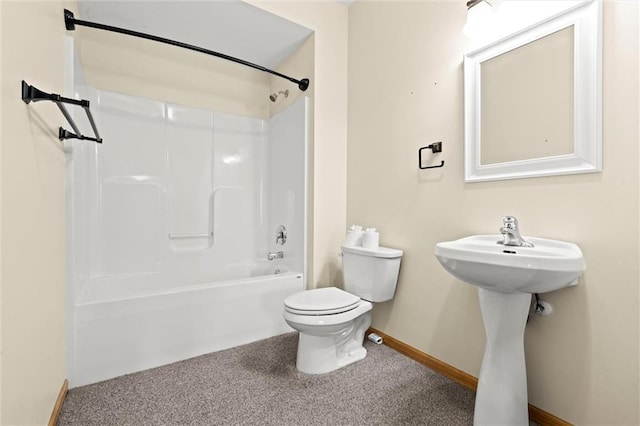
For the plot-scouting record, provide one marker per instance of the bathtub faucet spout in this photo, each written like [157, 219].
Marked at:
[276, 255]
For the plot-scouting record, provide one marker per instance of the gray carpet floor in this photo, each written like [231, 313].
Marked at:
[258, 384]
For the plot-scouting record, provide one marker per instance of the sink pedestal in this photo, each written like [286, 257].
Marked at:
[506, 276]
[501, 398]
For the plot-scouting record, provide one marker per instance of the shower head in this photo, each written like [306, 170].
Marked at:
[274, 96]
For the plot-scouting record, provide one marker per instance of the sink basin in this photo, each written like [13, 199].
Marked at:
[505, 277]
[549, 265]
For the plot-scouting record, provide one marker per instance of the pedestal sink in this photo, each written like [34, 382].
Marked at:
[506, 276]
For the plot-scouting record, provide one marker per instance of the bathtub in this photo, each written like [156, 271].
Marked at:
[158, 322]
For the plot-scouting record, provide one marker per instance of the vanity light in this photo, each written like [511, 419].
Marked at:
[489, 21]
[479, 15]
[472, 3]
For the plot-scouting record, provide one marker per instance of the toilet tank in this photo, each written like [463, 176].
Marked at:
[371, 274]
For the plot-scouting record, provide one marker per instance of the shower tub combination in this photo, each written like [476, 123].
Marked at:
[170, 223]
[116, 335]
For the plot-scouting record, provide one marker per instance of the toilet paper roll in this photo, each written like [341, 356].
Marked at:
[370, 239]
[354, 238]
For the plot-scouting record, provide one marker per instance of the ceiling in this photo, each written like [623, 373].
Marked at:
[231, 27]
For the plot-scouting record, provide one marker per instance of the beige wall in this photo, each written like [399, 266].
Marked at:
[1, 82]
[1, 316]
[329, 20]
[406, 91]
[33, 218]
[299, 65]
[157, 71]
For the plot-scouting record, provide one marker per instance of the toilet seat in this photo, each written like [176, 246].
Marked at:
[321, 301]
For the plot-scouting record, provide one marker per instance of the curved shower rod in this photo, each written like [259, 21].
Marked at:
[70, 23]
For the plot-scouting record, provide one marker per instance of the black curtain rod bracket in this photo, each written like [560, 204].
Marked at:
[70, 23]
[33, 94]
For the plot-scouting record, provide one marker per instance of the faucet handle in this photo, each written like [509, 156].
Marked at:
[281, 235]
[510, 222]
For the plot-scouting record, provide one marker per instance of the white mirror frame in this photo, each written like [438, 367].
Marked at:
[587, 155]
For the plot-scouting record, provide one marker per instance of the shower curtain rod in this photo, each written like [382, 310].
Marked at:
[70, 23]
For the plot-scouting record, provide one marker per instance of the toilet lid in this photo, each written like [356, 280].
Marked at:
[321, 301]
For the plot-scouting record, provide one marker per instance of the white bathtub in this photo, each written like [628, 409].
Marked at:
[116, 335]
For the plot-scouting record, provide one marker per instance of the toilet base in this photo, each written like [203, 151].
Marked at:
[323, 354]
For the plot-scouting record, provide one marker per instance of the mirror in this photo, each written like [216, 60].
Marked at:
[533, 100]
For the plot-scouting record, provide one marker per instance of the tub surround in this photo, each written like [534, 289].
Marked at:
[171, 221]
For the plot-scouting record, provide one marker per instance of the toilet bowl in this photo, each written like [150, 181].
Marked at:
[332, 322]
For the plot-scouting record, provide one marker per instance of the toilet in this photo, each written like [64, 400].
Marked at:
[332, 322]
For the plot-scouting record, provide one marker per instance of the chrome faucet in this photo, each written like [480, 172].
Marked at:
[511, 233]
[275, 255]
